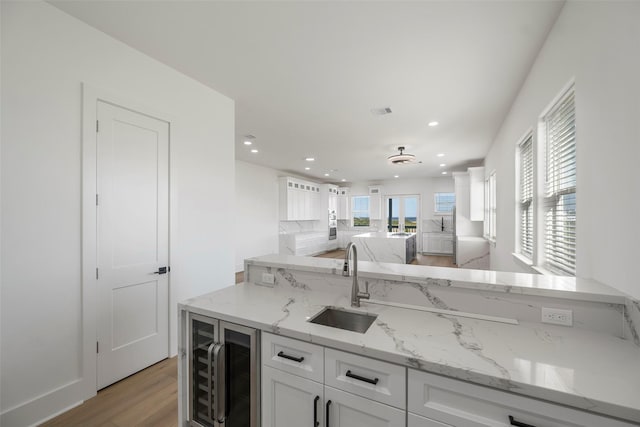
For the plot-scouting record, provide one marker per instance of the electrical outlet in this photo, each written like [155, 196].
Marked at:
[268, 278]
[557, 316]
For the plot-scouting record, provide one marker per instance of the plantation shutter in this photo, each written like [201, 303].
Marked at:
[526, 197]
[560, 194]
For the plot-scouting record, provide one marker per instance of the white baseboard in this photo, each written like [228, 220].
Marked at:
[46, 406]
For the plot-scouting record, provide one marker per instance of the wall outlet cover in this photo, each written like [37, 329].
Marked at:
[268, 278]
[557, 316]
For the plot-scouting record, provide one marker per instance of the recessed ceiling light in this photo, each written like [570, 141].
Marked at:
[432, 124]
[248, 143]
[396, 176]
[309, 159]
[440, 154]
[443, 165]
[326, 174]
[307, 168]
[343, 180]
[254, 151]
[444, 172]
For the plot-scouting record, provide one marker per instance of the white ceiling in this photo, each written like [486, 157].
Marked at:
[306, 75]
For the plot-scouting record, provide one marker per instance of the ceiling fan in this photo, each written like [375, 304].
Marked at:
[402, 158]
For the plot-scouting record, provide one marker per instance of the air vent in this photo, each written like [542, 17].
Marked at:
[381, 111]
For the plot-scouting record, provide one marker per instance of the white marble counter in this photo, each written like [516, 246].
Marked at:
[497, 281]
[575, 367]
[385, 247]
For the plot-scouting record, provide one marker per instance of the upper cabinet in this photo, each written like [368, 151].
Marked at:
[332, 190]
[344, 203]
[299, 200]
[375, 202]
[476, 193]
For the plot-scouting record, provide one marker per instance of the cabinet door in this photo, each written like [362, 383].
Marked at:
[348, 410]
[289, 400]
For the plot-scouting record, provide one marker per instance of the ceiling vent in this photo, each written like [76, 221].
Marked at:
[402, 158]
[381, 111]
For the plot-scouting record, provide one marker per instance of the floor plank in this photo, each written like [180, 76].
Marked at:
[148, 398]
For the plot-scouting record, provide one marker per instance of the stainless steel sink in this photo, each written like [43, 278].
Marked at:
[344, 319]
[401, 233]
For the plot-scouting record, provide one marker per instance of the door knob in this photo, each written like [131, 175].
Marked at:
[162, 270]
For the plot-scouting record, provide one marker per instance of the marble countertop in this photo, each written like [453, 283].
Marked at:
[571, 366]
[497, 281]
[385, 235]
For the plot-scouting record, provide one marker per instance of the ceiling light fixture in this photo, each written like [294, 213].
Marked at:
[402, 158]
[254, 151]
[307, 168]
[326, 174]
[310, 159]
[440, 154]
[396, 176]
[432, 124]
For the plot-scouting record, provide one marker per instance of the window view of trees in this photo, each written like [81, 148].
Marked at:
[360, 211]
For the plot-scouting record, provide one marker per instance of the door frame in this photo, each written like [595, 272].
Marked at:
[386, 198]
[90, 97]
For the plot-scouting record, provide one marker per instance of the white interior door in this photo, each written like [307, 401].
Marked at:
[132, 205]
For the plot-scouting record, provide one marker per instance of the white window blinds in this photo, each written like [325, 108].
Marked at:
[560, 187]
[526, 197]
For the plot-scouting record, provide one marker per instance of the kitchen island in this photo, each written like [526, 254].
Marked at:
[386, 247]
[449, 366]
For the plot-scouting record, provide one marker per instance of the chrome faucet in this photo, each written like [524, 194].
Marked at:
[356, 295]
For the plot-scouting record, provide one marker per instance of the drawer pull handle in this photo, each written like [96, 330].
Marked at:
[286, 356]
[358, 377]
[327, 416]
[513, 422]
[316, 423]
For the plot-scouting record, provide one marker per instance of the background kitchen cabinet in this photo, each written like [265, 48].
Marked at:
[375, 202]
[476, 193]
[299, 200]
[437, 243]
[344, 204]
[333, 197]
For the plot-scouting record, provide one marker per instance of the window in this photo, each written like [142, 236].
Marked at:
[360, 211]
[559, 203]
[444, 202]
[525, 197]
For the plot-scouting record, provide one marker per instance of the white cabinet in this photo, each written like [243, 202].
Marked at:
[348, 410]
[333, 197]
[437, 243]
[476, 193]
[375, 202]
[458, 403]
[344, 204]
[290, 401]
[418, 421]
[299, 200]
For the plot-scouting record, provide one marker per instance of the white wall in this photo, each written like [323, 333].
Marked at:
[46, 55]
[256, 212]
[597, 43]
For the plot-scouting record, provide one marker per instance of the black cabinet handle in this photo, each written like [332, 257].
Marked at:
[327, 416]
[286, 356]
[316, 423]
[513, 422]
[358, 377]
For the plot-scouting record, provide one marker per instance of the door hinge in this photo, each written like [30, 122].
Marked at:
[97, 276]
[97, 126]
[97, 347]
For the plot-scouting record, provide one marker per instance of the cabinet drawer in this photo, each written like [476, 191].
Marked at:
[369, 378]
[459, 403]
[293, 356]
[348, 410]
[414, 420]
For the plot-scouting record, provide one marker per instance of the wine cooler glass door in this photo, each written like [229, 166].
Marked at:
[203, 351]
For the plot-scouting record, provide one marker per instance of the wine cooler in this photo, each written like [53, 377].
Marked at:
[223, 374]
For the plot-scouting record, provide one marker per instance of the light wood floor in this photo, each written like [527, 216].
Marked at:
[148, 398]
